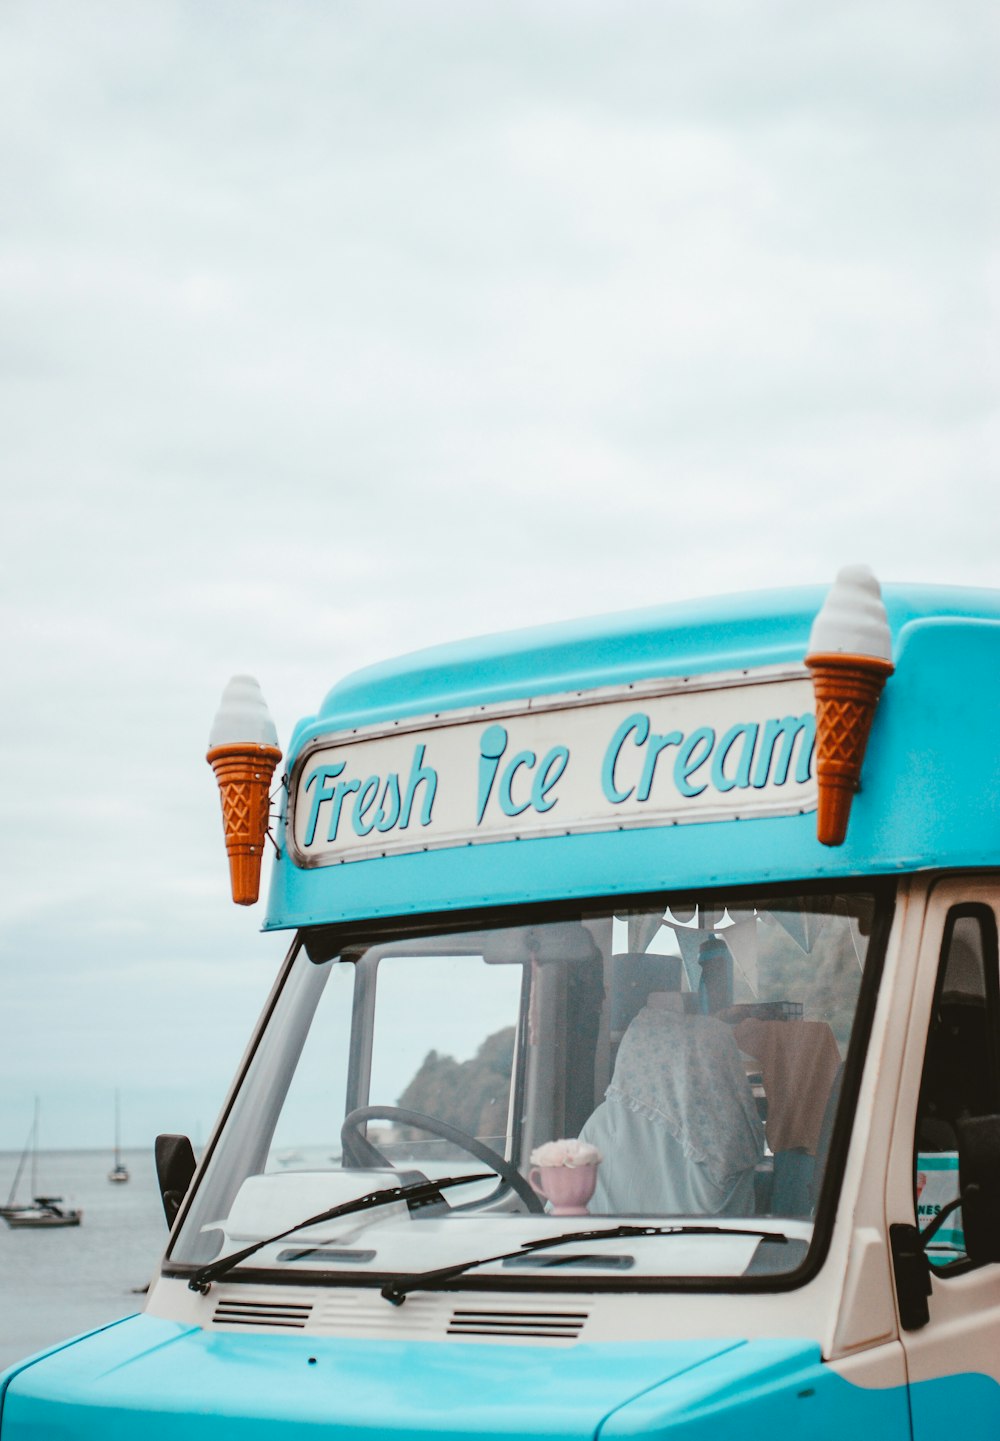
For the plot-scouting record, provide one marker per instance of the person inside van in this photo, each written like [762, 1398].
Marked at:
[678, 1129]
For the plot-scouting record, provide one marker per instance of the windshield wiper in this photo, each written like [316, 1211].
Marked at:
[399, 1287]
[416, 1191]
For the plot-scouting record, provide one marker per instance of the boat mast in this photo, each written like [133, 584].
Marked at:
[28, 1150]
[34, 1153]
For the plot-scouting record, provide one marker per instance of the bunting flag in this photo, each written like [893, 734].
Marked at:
[741, 939]
[801, 923]
[642, 928]
[683, 915]
[859, 941]
[738, 916]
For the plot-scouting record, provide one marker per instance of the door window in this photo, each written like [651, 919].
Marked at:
[961, 1075]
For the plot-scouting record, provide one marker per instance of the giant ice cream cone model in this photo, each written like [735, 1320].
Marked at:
[243, 752]
[850, 657]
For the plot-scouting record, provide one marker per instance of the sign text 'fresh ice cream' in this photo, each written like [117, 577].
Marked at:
[557, 765]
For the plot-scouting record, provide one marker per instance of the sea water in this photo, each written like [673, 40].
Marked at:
[55, 1284]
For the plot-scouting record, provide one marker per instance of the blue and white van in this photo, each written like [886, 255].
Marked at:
[596, 1096]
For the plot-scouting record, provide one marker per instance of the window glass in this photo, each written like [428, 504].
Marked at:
[673, 1060]
[443, 1047]
[315, 1090]
[960, 1071]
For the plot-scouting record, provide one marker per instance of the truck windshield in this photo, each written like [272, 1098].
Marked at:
[671, 1062]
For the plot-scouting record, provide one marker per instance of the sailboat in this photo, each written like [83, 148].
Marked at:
[40, 1211]
[119, 1171]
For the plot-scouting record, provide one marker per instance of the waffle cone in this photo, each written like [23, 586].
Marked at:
[847, 689]
[244, 773]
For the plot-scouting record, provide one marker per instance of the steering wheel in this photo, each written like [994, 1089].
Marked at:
[360, 1151]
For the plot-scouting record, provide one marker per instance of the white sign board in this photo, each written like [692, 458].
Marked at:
[718, 747]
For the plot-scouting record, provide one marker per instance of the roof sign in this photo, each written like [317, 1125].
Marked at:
[658, 753]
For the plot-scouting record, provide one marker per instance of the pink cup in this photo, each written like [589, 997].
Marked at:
[566, 1188]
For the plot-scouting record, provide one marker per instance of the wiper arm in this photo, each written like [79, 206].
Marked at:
[415, 1191]
[399, 1287]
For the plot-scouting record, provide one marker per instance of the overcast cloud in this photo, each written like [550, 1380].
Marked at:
[329, 331]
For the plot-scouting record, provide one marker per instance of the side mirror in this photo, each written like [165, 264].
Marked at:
[175, 1165]
[979, 1169]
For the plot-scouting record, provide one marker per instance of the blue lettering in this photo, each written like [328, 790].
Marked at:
[419, 775]
[720, 780]
[638, 723]
[492, 744]
[692, 754]
[523, 758]
[364, 803]
[550, 769]
[656, 745]
[323, 792]
[388, 811]
[341, 789]
[787, 730]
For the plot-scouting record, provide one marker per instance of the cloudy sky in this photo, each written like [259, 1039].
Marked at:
[332, 330]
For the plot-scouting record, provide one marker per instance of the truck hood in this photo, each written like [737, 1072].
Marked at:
[158, 1379]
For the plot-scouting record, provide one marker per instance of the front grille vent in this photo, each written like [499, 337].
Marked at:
[423, 1317]
[525, 1325]
[289, 1315]
[354, 1313]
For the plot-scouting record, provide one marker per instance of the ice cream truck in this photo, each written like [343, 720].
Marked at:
[634, 1069]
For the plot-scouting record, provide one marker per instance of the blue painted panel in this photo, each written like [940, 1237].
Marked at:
[967, 1406]
[763, 1391]
[158, 1380]
[930, 799]
[689, 638]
